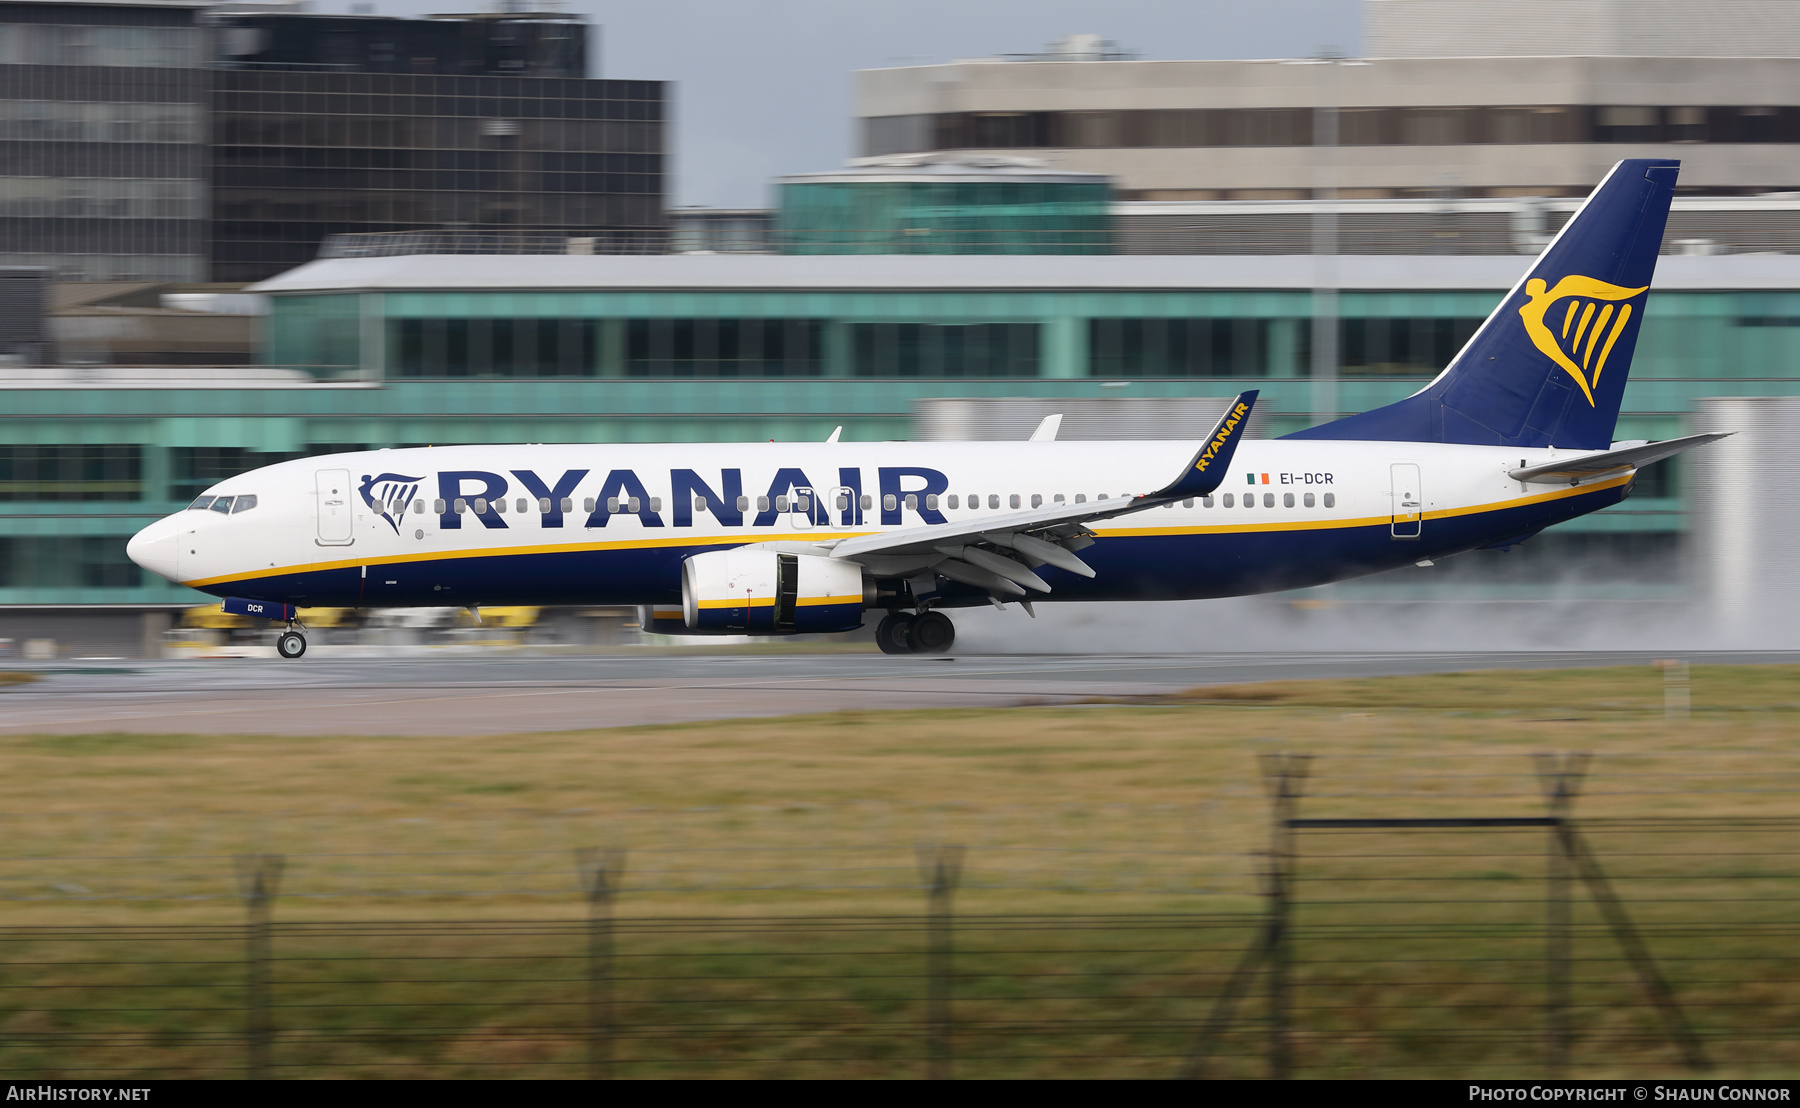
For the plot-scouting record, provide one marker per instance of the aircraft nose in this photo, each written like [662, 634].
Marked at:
[154, 548]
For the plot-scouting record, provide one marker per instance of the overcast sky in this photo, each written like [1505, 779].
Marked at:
[763, 87]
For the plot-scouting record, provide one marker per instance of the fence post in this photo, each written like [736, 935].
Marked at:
[1560, 777]
[1284, 778]
[258, 877]
[1678, 696]
[940, 866]
[601, 873]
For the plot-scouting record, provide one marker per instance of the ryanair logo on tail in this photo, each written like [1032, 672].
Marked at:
[1576, 323]
[1227, 429]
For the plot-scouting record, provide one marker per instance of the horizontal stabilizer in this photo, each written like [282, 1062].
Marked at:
[1571, 470]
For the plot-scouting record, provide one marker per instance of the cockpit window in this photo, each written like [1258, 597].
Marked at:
[222, 505]
[201, 504]
[243, 504]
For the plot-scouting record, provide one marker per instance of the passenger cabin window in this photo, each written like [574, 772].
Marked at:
[889, 502]
[222, 505]
[438, 506]
[1081, 498]
[543, 505]
[993, 500]
[781, 503]
[636, 504]
[243, 504]
[587, 505]
[200, 504]
[953, 500]
[1331, 500]
[1057, 499]
[762, 503]
[1037, 500]
[460, 506]
[1206, 501]
[867, 501]
[568, 504]
[481, 505]
[1287, 500]
[1013, 500]
[843, 502]
[418, 507]
[612, 504]
[1228, 500]
[931, 501]
[1188, 503]
[912, 501]
[1307, 500]
[655, 504]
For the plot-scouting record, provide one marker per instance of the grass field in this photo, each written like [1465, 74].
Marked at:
[1151, 810]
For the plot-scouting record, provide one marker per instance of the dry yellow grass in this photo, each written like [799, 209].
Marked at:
[1173, 788]
[1108, 808]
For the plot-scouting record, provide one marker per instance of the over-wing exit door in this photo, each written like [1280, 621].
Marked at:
[1409, 501]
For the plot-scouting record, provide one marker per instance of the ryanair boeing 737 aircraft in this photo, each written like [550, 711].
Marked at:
[778, 538]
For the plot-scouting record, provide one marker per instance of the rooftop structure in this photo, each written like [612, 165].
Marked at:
[938, 204]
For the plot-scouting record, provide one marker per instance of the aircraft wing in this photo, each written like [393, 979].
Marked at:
[1586, 465]
[1058, 523]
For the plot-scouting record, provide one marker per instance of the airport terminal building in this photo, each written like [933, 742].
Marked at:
[426, 349]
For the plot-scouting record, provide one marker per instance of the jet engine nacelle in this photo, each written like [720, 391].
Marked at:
[755, 590]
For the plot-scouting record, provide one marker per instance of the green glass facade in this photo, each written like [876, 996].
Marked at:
[81, 469]
[945, 217]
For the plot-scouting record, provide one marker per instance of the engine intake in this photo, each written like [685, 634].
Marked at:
[753, 590]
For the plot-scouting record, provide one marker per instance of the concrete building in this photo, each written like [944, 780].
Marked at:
[1458, 99]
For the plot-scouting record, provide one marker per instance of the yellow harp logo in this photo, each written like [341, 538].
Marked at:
[1592, 307]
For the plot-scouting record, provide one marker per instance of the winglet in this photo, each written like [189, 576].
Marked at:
[1046, 430]
[1206, 471]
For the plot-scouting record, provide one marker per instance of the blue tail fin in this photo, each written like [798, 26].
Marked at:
[1548, 368]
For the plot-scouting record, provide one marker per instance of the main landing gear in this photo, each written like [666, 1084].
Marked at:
[905, 633]
[292, 643]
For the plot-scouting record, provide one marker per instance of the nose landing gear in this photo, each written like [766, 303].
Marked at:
[905, 633]
[292, 643]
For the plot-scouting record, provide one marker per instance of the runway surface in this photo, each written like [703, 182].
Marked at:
[491, 694]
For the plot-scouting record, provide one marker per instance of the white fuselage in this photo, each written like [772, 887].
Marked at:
[467, 525]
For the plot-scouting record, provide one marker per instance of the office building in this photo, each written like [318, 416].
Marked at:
[148, 140]
[103, 143]
[333, 126]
